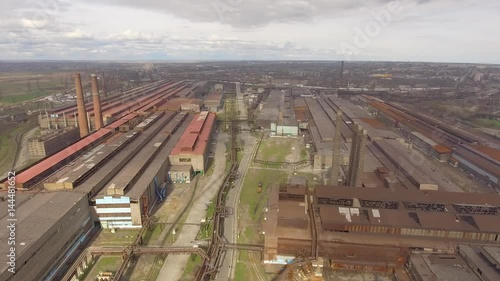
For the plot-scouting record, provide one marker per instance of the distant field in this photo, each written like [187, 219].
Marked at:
[487, 123]
[9, 146]
[19, 87]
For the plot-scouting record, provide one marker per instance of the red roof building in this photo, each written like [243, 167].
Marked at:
[192, 147]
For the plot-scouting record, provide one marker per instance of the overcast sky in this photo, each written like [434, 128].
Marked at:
[414, 30]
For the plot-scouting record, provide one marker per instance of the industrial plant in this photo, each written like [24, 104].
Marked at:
[269, 170]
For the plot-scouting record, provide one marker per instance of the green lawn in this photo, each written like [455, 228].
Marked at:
[241, 273]
[121, 237]
[303, 154]
[275, 150]
[104, 263]
[250, 198]
[24, 97]
[191, 268]
[152, 235]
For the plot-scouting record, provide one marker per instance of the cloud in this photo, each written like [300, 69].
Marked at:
[34, 23]
[252, 13]
[78, 34]
[244, 29]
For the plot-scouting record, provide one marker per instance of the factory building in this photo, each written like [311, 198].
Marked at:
[278, 115]
[52, 142]
[476, 263]
[213, 101]
[270, 111]
[130, 195]
[112, 107]
[481, 161]
[182, 104]
[301, 113]
[180, 174]
[57, 217]
[193, 147]
[378, 227]
[48, 226]
[409, 163]
[426, 144]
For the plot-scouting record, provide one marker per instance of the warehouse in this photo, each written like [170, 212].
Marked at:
[348, 215]
[52, 142]
[410, 166]
[485, 164]
[426, 144]
[322, 133]
[213, 101]
[476, 263]
[180, 174]
[29, 177]
[52, 226]
[287, 123]
[270, 112]
[132, 192]
[301, 114]
[48, 225]
[193, 147]
[421, 172]
[439, 267]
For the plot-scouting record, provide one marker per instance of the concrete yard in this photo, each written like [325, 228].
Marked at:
[174, 265]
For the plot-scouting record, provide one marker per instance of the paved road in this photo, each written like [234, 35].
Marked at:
[174, 264]
[23, 156]
[241, 102]
[231, 223]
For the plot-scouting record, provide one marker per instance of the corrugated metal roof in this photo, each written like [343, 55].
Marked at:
[50, 161]
[195, 138]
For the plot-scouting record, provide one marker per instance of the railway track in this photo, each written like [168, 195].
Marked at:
[18, 140]
[453, 134]
[216, 246]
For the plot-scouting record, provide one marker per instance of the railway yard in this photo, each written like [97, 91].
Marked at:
[303, 185]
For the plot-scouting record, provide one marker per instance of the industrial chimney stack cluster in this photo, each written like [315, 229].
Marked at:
[356, 158]
[83, 116]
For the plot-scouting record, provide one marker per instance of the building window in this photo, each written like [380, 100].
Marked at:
[185, 160]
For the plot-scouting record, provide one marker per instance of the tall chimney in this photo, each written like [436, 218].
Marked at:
[80, 103]
[352, 154]
[360, 161]
[104, 92]
[98, 123]
[337, 143]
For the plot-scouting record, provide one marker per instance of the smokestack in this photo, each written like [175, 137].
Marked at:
[360, 161]
[337, 143]
[98, 123]
[104, 92]
[352, 154]
[82, 113]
